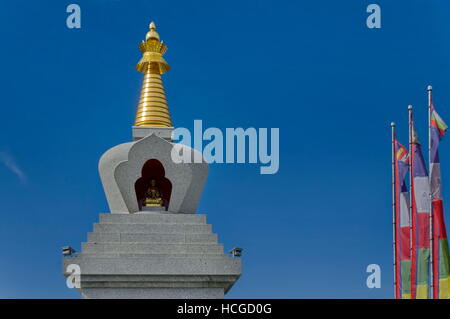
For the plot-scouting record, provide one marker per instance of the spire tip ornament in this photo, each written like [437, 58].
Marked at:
[152, 34]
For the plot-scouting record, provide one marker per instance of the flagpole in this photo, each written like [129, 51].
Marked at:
[394, 212]
[432, 294]
[411, 190]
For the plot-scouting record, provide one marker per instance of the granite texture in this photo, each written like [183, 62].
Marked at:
[154, 255]
[156, 293]
[143, 131]
[120, 167]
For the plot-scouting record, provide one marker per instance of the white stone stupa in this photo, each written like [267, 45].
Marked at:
[152, 244]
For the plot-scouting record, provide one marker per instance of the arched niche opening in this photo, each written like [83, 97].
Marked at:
[153, 170]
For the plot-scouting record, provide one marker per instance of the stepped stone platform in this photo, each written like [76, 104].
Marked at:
[154, 255]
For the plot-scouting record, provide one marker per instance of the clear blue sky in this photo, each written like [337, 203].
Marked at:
[311, 68]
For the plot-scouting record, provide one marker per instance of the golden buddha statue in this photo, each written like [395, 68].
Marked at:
[153, 195]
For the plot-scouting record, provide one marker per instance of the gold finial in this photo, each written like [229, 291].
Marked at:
[152, 108]
[152, 51]
[152, 34]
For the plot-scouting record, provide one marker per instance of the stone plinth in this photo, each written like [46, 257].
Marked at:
[154, 255]
[143, 131]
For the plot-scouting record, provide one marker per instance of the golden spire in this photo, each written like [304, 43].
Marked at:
[152, 108]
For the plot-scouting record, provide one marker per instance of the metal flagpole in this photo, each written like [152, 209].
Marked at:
[394, 211]
[432, 274]
[411, 188]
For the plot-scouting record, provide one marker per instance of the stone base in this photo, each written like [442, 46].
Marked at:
[157, 293]
[154, 255]
[143, 131]
[153, 209]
